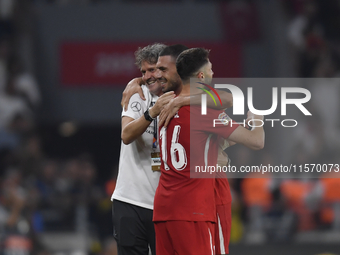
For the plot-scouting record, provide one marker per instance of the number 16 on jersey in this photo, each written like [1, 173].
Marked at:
[178, 154]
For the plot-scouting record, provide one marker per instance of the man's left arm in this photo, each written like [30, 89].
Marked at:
[133, 87]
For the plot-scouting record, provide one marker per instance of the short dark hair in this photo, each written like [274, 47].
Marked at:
[148, 53]
[173, 50]
[190, 61]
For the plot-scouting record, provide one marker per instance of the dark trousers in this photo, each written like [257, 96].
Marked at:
[133, 229]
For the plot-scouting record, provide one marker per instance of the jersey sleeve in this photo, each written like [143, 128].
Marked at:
[136, 107]
[215, 122]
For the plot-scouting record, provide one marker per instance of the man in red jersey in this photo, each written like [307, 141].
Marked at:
[222, 191]
[184, 207]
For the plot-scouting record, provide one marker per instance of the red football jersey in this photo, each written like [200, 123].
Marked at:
[185, 143]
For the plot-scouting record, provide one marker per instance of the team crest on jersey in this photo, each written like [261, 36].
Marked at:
[225, 119]
[176, 115]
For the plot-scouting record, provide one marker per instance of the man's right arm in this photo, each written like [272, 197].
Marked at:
[134, 128]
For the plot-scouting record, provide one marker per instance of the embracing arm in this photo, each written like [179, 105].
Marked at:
[133, 128]
[133, 87]
[174, 105]
[226, 99]
[252, 139]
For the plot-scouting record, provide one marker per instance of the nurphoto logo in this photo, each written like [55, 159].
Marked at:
[239, 101]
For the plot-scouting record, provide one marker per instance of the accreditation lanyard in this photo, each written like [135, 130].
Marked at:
[155, 131]
[155, 155]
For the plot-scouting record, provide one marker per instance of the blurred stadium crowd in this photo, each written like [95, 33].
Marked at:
[38, 193]
[273, 209]
[42, 194]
